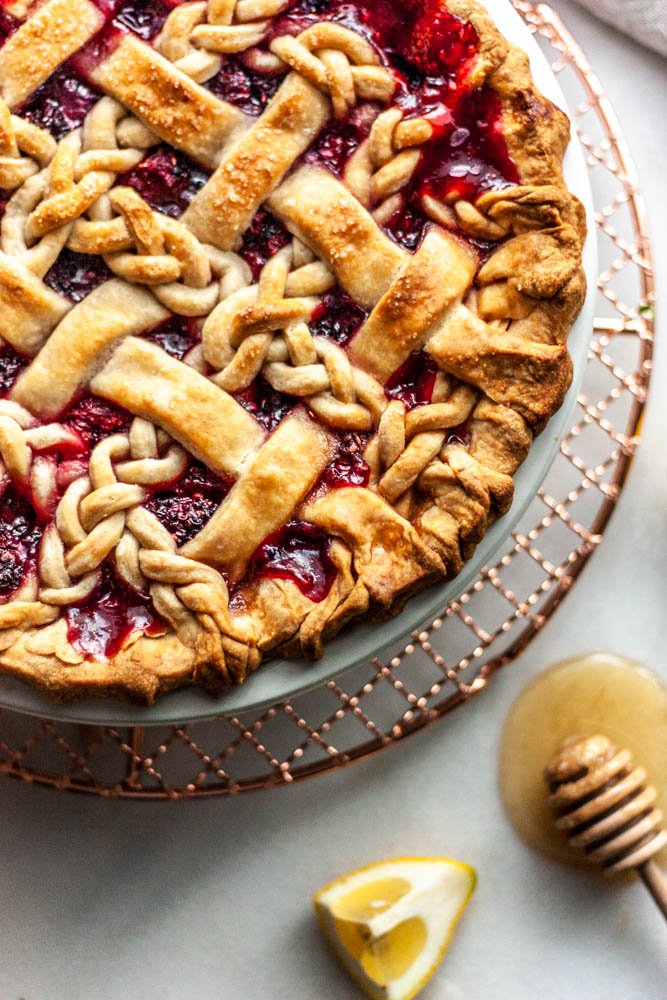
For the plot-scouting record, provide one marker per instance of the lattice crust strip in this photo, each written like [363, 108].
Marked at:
[380, 703]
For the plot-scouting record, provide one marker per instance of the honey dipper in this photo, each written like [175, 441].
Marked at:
[605, 808]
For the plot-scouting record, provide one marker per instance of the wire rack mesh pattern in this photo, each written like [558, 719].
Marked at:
[379, 704]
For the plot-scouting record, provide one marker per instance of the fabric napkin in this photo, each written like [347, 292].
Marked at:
[645, 20]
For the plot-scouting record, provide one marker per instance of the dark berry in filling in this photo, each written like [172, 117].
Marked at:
[20, 535]
[458, 435]
[299, 14]
[8, 26]
[438, 41]
[408, 224]
[167, 179]
[413, 382]
[98, 48]
[298, 552]
[185, 506]
[339, 139]
[264, 237]
[144, 17]
[94, 419]
[11, 366]
[61, 103]
[246, 88]
[69, 470]
[76, 274]
[308, 10]
[100, 625]
[177, 335]
[471, 155]
[265, 403]
[336, 317]
[348, 468]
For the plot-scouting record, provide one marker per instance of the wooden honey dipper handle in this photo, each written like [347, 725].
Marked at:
[606, 809]
[654, 879]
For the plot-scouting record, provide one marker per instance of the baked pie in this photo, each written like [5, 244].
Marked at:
[284, 293]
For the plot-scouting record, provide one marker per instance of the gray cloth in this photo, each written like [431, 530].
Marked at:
[645, 20]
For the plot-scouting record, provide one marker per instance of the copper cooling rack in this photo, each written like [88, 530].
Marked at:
[380, 703]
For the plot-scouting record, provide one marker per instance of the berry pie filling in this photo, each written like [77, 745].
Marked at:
[414, 381]
[167, 179]
[266, 404]
[8, 25]
[11, 365]
[336, 317]
[347, 467]
[264, 237]
[114, 612]
[144, 18]
[20, 536]
[177, 335]
[185, 506]
[338, 140]
[240, 84]
[62, 102]
[465, 157]
[93, 419]
[74, 275]
[413, 384]
[298, 552]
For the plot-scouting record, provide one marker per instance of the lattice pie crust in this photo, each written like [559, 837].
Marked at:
[486, 296]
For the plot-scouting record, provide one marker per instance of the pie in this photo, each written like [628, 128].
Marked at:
[285, 287]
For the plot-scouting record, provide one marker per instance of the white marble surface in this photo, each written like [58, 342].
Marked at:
[136, 901]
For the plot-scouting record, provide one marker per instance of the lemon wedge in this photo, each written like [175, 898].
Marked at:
[391, 922]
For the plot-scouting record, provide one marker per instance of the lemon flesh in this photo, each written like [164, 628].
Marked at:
[391, 923]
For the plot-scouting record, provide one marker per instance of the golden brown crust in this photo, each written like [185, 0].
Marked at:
[221, 212]
[30, 309]
[319, 210]
[203, 418]
[179, 111]
[139, 673]
[81, 343]
[526, 375]
[497, 332]
[389, 557]
[270, 488]
[433, 278]
[55, 31]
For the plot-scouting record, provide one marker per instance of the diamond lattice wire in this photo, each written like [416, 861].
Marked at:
[381, 703]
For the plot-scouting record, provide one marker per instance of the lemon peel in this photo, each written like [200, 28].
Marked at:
[390, 923]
